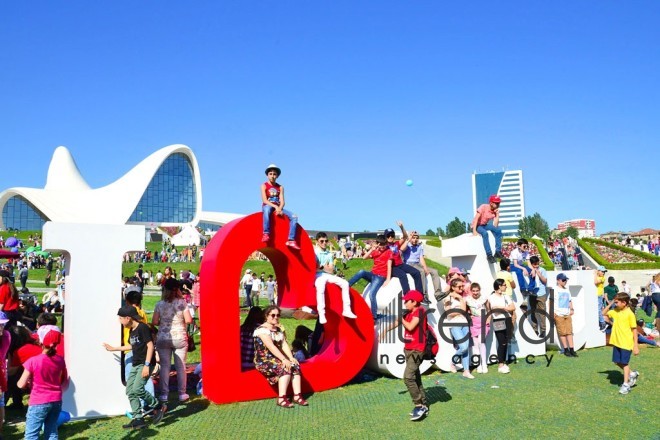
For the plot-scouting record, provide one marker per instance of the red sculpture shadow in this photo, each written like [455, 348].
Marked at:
[347, 342]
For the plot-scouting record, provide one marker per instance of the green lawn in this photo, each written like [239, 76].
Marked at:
[571, 398]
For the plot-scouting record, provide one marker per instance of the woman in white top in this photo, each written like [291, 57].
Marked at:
[171, 315]
[502, 307]
[480, 326]
[456, 309]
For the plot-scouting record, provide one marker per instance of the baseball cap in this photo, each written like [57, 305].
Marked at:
[413, 295]
[389, 231]
[494, 199]
[601, 268]
[562, 277]
[454, 270]
[3, 318]
[51, 338]
[128, 312]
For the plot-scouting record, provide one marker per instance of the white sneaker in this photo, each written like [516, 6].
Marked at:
[347, 313]
[484, 370]
[633, 378]
[625, 389]
[503, 369]
[467, 375]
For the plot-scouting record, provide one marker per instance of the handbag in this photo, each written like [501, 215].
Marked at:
[499, 324]
[191, 344]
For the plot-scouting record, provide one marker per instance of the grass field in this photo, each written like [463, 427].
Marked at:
[571, 398]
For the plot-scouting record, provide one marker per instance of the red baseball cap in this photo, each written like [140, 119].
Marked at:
[413, 295]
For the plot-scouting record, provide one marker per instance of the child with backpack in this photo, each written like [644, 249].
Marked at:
[415, 325]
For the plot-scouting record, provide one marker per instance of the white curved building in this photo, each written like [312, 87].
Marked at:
[163, 190]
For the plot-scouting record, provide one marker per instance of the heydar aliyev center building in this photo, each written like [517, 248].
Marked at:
[163, 190]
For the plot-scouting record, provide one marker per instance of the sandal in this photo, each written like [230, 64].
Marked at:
[297, 398]
[284, 402]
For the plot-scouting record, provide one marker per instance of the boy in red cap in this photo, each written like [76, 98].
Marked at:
[481, 224]
[414, 323]
[272, 198]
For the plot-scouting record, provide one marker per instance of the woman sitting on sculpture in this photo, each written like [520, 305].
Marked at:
[273, 358]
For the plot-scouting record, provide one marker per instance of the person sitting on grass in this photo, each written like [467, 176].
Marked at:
[623, 338]
[272, 198]
[273, 358]
[646, 335]
[254, 319]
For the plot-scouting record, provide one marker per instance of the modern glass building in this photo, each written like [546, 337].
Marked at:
[20, 214]
[171, 196]
[509, 186]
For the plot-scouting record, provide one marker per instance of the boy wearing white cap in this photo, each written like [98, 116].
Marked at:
[272, 198]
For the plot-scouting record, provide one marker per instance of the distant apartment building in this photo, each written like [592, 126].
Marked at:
[509, 186]
[585, 227]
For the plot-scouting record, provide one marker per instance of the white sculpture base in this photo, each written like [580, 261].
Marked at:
[90, 317]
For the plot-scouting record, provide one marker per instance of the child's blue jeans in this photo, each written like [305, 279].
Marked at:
[46, 414]
[267, 210]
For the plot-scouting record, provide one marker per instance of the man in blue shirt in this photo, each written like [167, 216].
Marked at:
[538, 299]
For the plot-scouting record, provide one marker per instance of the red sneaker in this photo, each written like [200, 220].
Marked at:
[292, 244]
[265, 238]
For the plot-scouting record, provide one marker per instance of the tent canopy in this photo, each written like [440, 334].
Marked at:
[188, 236]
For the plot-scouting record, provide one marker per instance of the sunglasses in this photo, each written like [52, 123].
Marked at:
[274, 315]
[323, 240]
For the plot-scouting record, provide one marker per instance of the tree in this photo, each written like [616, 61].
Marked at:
[430, 232]
[440, 232]
[533, 225]
[571, 232]
[455, 228]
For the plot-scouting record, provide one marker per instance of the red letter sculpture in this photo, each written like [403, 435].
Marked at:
[347, 343]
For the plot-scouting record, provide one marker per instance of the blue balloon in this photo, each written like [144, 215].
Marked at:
[11, 242]
[63, 418]
[409, 182]
[14, 249]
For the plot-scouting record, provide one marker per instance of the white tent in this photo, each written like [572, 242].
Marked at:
[187, 237]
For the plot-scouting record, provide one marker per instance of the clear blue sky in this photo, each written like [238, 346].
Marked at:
[350, 99]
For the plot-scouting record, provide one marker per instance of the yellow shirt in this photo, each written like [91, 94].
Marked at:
[600, 287]
[508, 278]
[127, 331]
[622, 328]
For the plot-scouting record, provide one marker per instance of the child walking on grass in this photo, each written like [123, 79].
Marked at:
[623, 338]
[48, 375]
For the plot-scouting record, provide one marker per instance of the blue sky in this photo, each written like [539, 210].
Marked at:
[350, 99]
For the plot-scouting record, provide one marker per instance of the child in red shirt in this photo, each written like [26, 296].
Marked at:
[272, 197]
[414, 322]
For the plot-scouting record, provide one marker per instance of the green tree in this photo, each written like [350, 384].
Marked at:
[534, 225]
[456, 227]
[440, 232]
[430, 232]
[570, 232]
